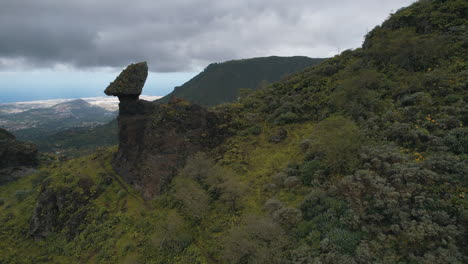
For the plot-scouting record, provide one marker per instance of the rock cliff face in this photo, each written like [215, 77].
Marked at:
[16, 158]
[155, 139]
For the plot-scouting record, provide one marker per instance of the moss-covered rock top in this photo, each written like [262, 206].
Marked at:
[130, 81]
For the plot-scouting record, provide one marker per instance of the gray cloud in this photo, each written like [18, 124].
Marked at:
[179, 35]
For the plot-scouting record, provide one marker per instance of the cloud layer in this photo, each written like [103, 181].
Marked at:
[179, 35]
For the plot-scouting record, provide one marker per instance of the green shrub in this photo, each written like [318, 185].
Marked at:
[232, 192]
[308, 170]
[194, 201]
[358, 96]
[286, 118]
[457, 140]
[199, 167]
[171, 236]
[338, 139]
[256, 240]
[254, 130]
[345, 240]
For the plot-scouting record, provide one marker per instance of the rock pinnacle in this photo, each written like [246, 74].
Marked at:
[130, 81]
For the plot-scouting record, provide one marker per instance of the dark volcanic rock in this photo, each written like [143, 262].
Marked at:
[130, 82]
[155, 140]
[16, 158]
[58, 209]
[46, 215]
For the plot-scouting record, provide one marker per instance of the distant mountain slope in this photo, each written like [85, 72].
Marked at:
[36, 123]
[221, 82]
[17, 159]
[79, 141]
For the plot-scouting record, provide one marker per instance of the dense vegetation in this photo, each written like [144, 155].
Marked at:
[223, 82]
[361, 159]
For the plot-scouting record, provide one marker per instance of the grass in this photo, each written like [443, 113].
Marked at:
[121, 227]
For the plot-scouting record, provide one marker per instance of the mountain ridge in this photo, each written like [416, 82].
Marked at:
[222, 82]
[361, 159]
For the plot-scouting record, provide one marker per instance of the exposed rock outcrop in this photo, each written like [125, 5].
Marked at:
[16, 158]
[61, 208]
[155, 139]
[130, 82]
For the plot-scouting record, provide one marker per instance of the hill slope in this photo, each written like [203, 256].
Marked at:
[222, 82]
[362, 159]
[17, 159]
[36, 123]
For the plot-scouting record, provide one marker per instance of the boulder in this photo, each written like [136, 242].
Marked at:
[130, 82]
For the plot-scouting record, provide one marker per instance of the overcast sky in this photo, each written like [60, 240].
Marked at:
[183, 36]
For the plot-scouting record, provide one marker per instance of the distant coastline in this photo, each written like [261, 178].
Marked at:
[108, 103]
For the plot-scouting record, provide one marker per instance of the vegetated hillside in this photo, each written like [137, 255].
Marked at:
[222, 82]
[34, 124]
[79, 141]
[219, 83]
[17, 159]
[362, 159]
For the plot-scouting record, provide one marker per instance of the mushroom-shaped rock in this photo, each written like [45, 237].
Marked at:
[130, 81]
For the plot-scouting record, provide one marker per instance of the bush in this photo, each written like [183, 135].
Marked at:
[279, 178]
[232, 192]
[194, 201]
[254, 130]
[338, 139]
[171, 236]
[457, 140]
[358, 96]
[199, 167]
[292, 181]
[344, 240]
[319, 202]
[288, 217]
[286, 118]
[308, 170]
[272, 205]
[256, 240]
